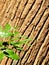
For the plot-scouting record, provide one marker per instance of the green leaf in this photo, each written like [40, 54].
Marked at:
[14, 56]
[21, 42]
[9, 51]
[2, 47]
[16, 33]
[13, 40]
[0, 28]
[19, 48]
[7, 27]
[1, 43]
[20, 36]
[1, 55]
[17, 44]
[5, 34]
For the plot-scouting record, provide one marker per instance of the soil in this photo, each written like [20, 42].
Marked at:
[32, 17]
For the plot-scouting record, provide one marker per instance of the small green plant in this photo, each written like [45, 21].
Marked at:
[9, 36]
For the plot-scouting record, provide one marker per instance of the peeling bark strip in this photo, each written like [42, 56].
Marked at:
[32, 17]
